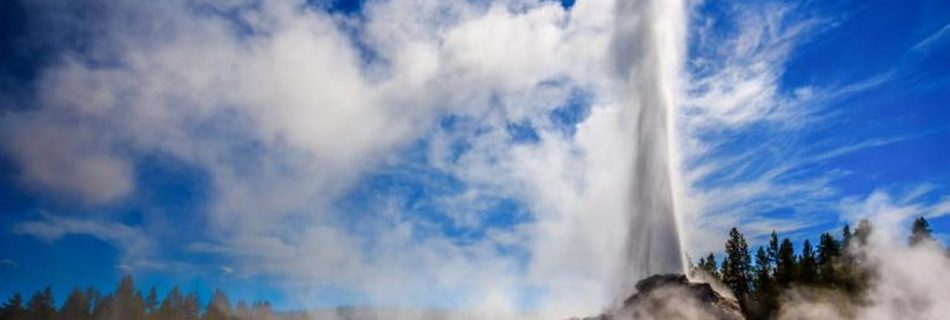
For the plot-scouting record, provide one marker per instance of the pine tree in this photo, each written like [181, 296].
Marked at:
[785, 266]
[76, 307]
[772, 250]
[151, 303]
[845, 238]
[93, 296]
[127, 302]
[920, 232]
[241, 311]
[763, 266]
[42, 305]
[736, 265]
[847, 275]
[219, 308]
[763, 285]
[14, 309]
[709, 265]
[191, 309]
[172, 306]
[808, 268]
[261, 311]
[863, 232]
[102, 309]
[828, 254]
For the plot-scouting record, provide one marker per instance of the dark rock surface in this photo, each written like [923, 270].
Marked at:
[673, 296]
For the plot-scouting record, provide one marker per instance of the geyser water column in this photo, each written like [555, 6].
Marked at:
[648, 48]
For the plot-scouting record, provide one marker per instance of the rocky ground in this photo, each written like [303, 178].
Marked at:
[673, 296]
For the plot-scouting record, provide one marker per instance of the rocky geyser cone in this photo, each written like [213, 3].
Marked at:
[673, 296]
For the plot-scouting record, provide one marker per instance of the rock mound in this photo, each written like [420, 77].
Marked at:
[673, 296]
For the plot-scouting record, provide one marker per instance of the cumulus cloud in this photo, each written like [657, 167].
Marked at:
[287, 107]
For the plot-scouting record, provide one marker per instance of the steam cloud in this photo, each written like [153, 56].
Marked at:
[648, 44]
[906, 281]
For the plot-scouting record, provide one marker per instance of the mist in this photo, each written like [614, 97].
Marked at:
[905, 281]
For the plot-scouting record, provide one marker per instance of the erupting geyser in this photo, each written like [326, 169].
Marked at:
[648, 48]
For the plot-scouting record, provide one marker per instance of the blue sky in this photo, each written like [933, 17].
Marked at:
[320, 154]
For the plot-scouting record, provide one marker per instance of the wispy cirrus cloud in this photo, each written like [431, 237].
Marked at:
[932, 39]
[134, 243]
[744, 157]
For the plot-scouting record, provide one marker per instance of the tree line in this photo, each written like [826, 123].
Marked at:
[128, 303]
[757, 280]
[835, 264]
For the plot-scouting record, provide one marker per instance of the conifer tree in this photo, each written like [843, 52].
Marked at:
[772, 250]
[785, 267]
[191, 309]
[764, 285]
[42, 305]
[241, 310]
[172, 306]
[102, 309]
[151, 303]
[710, 266]
[127, 302]
[261, 311]
[93, 296]
[845, 237]
[857, 273]
[920, 232]
[808, 268]
[14, 309]
[736, 265]
[219, 308]
[76, 307]
[763, 266]
[828, 254]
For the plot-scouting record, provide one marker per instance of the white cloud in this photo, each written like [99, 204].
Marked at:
[740, 131]
[732, 84]
[735, 73]
[53, 228]
[932, 39]
[133, 242]
[287, 107]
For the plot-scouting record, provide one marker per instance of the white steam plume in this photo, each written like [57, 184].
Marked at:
[907, 282]
[648, 45]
